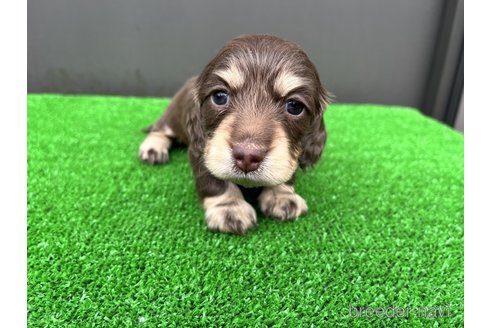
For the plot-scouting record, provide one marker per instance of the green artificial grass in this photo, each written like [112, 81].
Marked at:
[114, 242]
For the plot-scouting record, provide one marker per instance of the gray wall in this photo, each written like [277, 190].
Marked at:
[376, 51]
[459, 123]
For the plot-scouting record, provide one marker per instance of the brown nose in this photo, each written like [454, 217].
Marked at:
[247, 158]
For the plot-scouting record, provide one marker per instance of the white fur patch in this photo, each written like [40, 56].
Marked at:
[282, 202]
[232, 75]
[155, 148]
[286, 82]
[278, 165]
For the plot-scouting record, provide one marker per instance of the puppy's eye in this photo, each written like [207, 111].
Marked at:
[294, 107]
[220, 98]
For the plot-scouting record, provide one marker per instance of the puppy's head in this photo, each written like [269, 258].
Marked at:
[261, 107]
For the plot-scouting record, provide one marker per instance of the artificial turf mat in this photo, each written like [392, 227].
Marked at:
[114, 242]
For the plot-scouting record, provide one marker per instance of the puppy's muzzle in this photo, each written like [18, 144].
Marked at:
[248, 157]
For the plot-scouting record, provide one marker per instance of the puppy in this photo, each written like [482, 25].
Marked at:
[250, 119]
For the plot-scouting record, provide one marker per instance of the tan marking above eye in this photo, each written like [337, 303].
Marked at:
[232, 75]
[286, 82]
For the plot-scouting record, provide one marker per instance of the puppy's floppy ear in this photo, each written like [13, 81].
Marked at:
[194, 125]
[314, 141]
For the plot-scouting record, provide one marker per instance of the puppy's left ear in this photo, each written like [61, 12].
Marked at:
[315, 139]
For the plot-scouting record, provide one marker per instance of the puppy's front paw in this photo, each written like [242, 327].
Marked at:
[154, 149]
[282, 203]
[235, 216]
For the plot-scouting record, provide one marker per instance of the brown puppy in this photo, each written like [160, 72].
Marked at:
[250, 118]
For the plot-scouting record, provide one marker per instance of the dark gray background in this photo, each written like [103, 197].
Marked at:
[369, 51]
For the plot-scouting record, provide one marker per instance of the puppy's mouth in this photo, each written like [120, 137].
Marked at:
[249, 179]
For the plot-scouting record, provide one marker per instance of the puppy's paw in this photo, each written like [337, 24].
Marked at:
[282, 204]
[235, 216]
[155, 149]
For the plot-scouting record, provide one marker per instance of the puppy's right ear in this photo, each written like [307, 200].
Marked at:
[194, 124]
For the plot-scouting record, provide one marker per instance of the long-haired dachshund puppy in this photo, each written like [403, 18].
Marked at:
[250, 119]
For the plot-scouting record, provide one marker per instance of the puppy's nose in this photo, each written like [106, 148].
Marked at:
[247, 158]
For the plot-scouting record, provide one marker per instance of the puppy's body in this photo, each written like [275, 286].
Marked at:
[250, 118]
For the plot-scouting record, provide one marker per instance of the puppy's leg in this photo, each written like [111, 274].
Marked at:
[224, 204]
[282, 202]
[229, 212]
[171, 125]
[155, 148]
